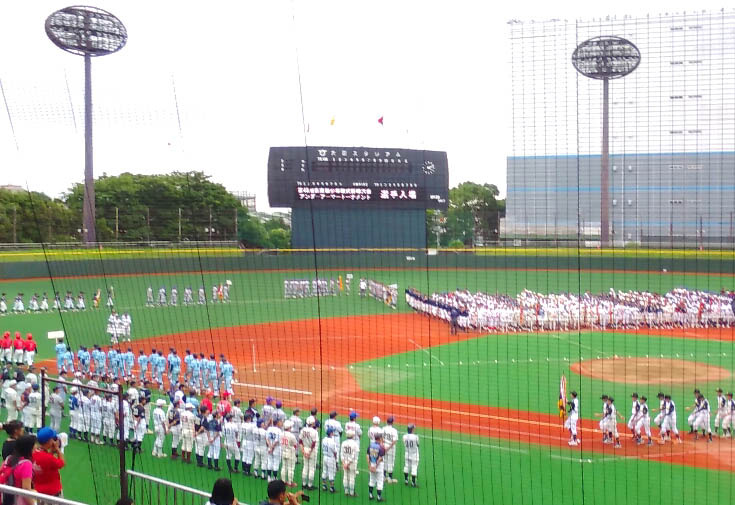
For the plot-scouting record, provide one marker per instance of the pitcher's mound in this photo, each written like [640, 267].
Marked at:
[650, 371]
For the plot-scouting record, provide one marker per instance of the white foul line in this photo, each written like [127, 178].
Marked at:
[272, 388]
[427, 352]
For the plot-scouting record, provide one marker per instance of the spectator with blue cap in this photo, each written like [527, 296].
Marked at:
[47, 461]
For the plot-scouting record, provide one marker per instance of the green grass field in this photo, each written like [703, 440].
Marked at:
[455, 467]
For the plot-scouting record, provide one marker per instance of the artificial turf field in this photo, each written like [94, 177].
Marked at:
[485, 405]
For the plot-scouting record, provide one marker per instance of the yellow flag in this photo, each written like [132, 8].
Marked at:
[331, 121]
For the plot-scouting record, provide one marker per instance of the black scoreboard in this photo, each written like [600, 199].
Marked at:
[357, 177]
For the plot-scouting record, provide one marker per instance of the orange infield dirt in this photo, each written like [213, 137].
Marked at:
[306, 363]
[650, 370]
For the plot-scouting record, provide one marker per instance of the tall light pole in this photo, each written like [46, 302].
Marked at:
[88, 32]
[605, 58]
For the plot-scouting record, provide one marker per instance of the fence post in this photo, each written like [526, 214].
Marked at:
[121, 445]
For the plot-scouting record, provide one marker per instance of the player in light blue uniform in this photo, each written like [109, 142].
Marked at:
[99, 361]
[128, 360]
[84, 359]
[205, 370]
[227, 372]
[187, 363]
[195, 366]
[174, 364]
[68, 361]
[113, 357]
[160, 368]
[60, 350]
[142, 365]
[212, 373]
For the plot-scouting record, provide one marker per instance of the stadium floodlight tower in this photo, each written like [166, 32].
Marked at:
[88, 32]
[604, 58]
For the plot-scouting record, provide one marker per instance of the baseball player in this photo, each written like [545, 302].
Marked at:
[127, 325]
[247, 442]
[659, 419]
[635, 412]
[29, 350]
[375, 430]
[728, 418]
[227, 373]
[644, 421]
[611, 418]
[188, 421]
[18, 349]
[159, 428]
[273, 437]
[202, 296]
[196, 371]
[174, 368]
[374, 457]
[231, 435]
[109, 413]
[188, 297]
[349, 452]
[702, 421]
[173, 426]
[410, 455]
[261, 450]
[214, 427]
[162, 296]
[289, 448]
[268, 410]
[390, 439]
[354, 426]
[56, 408]
[32, 410]
[692, 419]
[721, 411]
[330, 458]
[603, 422]
[333, 423]
[174, 296]
[669, 422]
[571, 422]
[308, 440]
[149, 297]
[140, 427]
[200, 435]
[95, 417]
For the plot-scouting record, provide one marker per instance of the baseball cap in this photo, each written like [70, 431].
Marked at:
[644, 398]
[390, 420]
[279, 404]
[288, 425]
[45, 434]
[268, 399]
[719, 390]
[634, 395]
[353, 415]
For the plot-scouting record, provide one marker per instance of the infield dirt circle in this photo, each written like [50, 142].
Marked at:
[650, 371]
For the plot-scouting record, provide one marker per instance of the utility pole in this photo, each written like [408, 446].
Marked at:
[15, 224]
[179, 224]
[117, 223]
[210, 224]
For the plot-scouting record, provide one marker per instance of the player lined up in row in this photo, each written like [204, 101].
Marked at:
[18, 351]
[39, 304]
[640, 418]
[198, 371]
[264, 442]
[528, 310]
[318, 286]
[21, 396]
[220, 294]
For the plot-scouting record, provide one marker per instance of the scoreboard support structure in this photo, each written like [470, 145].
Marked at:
[357, 197]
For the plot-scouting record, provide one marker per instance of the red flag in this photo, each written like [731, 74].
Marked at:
[380, 120]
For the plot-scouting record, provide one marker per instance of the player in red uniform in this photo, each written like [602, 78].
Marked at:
[30, 350]
[18, 349]
[5, 351]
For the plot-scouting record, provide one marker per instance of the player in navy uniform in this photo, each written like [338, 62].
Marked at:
[375, 455]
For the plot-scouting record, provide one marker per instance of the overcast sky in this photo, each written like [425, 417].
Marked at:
[436, 71]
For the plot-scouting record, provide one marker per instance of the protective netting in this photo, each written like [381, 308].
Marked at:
[473, 343]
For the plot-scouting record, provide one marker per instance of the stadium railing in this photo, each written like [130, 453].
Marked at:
[40, 498]
[155, 491]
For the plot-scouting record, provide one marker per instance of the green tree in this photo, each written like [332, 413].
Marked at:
[153, 207]
[34, 217]
[279, 238]
[474, 212]
[251, 232]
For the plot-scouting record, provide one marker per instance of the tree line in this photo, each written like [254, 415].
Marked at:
[188, 206]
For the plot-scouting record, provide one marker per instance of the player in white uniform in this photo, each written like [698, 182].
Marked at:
[330, 458]
[159, 428]
[692, 419]
[309, 442]
[274, 434]
[109, 412]
[32, 420]
[644, 421]
[390, 439]
[231, 436]
[200, 435]
[728, 418]
[188, 420]
[354, 426]
[603, 420]
[571, 422]
[333, 423]
[349, 455]
[703, 419]
[669, 422]
[375, 429]
[659, 419]
[56, 408]
[721, 412]
[261, 449]
[289, 448]
[95, 426]
[410, 455]
[611, 418]
[247, 442]
[635, 413]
